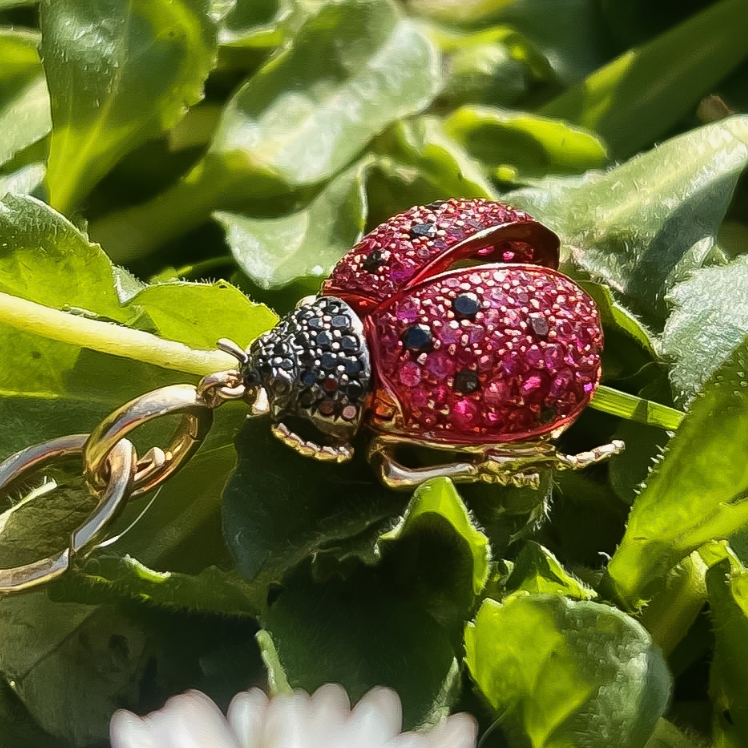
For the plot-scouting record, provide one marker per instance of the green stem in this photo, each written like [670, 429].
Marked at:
[635, 408]
[107, 337]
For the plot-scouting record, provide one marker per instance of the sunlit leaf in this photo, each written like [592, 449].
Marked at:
[305, 245]
[696, 493]
[24, 102]
[562, 672]
[115, 84]
[514, 146]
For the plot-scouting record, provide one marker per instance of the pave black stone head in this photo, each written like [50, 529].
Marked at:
[315, 364]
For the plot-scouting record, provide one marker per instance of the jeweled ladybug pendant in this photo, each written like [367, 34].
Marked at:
[449, 327]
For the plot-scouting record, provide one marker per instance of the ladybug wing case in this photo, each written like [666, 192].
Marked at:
[484, 355]
[427, 240]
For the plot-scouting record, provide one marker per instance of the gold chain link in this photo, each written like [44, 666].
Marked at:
[111, 467]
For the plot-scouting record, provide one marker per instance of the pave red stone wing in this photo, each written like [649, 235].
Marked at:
[489, 354]
[427, 240]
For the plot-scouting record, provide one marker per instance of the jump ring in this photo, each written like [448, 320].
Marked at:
[197, 418]
[121, 469]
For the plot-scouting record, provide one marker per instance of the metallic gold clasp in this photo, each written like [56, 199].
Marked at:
[158, 464]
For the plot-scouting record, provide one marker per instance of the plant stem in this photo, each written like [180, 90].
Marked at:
[107, 337]
[636, 408]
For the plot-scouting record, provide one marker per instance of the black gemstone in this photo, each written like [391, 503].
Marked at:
[316, 323]
[308, 399]
[349, 343]
[355, 390]
[306, 357]
[422, 229]
[251, 377]
[373, 261]
[324, 340]
[352, 366]
[308, 378]
[466, 381]
[302, 340]
[547, 414]
[332, 307]
[418, 338]
[286, 364]
[539, 325]
[329, 361]
[466, 306]
[340, 322]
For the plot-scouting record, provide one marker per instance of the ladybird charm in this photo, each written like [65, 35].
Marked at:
[487, 363]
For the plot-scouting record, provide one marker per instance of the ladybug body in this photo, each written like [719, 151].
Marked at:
[490, 360]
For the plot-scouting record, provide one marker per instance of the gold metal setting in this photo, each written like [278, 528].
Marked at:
[507, 465]
[158, 464]
[338, 453]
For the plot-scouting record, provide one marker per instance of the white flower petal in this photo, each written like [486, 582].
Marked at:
[247, 713]
[191, 720]
[127, 730]
[329, 713]
[285, 722]
[409, 740]
[376, 718]
[457, 731]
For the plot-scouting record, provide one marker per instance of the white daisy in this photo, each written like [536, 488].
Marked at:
[323, 720]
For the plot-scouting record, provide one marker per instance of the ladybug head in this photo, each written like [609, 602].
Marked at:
[314, 364]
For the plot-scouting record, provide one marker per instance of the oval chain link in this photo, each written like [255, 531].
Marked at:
[111, 466]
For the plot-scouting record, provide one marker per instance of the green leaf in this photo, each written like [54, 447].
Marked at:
[254, 24]
[562, 672]
[616, 316]
[361, 635]
[24, 102]
[105, 577]
[55, 655]
[22, 181]
[452, 554]
[568, 32]
[115, 85]
[307, 114]
[305, 245]
[727, 583]
[437, 500]
[709, 319]
[515, 147]
[641, 95]
[538, 571]
[497, 67]
[353, 68]
[645, 224]
[644, 446]
[279, 507]
[422, 144]
[696, 493]
[418, 163]
[667, 735]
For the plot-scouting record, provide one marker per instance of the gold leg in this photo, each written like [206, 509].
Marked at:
[339, 453]
[395, 475]
[512, 465]
[583, 459]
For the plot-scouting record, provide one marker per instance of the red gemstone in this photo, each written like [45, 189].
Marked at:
[465, 414]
